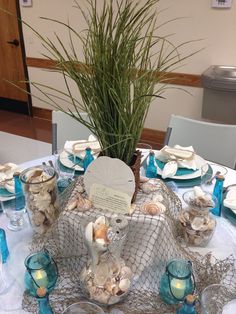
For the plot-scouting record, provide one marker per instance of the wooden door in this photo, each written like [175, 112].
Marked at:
[12, 60]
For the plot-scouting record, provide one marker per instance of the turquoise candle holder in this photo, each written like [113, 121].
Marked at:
[177, 281]
[40, 279]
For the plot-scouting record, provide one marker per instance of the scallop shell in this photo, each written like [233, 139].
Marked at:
[83, 204]
[72, 204]
[148, 187]
[197, 223]
[153, 209]
[124, 284]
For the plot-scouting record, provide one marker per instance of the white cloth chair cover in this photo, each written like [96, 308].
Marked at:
[66, 128]
[212, 141]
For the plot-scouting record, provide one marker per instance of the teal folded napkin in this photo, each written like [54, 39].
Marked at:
[180, 171]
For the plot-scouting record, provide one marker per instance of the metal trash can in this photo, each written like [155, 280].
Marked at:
[219, 94]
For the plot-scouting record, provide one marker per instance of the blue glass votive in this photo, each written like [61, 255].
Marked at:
[3, 245]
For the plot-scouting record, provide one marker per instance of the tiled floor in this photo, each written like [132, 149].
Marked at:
[19, 124]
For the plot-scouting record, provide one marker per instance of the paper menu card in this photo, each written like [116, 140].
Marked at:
[109, 199]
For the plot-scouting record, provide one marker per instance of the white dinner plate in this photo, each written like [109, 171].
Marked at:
[196, 174]
[65, 161]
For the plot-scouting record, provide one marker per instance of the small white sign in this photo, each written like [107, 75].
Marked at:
[221, 4]
[26, 3]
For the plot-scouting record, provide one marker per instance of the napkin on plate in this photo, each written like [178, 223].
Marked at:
[230, 199]
[6, 175]
[176, 157]
[78, 147]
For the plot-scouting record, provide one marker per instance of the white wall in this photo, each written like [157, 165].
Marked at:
[216, 28]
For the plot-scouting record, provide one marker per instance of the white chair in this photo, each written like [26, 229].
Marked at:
[212, 141]
[66, 128]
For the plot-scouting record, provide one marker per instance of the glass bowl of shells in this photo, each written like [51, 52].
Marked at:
[106, 279]
[197, 223]
[40, 189]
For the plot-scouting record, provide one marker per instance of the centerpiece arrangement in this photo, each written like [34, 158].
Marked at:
[125, 59]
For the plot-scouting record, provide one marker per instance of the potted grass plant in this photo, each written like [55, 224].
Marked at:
[124, 61]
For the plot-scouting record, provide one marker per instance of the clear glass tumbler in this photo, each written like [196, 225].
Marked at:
[13, 206]
[213, 299]
[208, 175]
[64, 164]
[84, 308]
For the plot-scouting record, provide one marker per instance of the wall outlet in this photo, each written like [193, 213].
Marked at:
[26, 3]
[222, 4]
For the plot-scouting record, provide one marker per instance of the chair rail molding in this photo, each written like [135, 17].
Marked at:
[184, 79]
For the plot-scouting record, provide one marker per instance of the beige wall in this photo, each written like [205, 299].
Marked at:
[215, 28]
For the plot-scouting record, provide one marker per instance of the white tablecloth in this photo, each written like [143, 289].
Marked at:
[222, 245]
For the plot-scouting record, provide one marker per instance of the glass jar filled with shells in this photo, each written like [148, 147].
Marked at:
[106, 278]
[197, 223]
[40, 189]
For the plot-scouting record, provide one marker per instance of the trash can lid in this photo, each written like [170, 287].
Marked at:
[220, 77]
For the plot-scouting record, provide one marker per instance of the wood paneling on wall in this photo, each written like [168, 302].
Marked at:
[184, 79]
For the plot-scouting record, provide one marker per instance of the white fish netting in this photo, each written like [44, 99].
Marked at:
[151, 242]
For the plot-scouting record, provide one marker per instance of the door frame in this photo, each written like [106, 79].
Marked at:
[22, 43]
[16, 105]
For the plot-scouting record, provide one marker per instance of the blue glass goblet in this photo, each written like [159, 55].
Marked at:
[40, 279]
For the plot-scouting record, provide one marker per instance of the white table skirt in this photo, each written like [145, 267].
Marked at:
[222, 244]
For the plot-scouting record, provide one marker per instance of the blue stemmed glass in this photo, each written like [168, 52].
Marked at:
[40, 279]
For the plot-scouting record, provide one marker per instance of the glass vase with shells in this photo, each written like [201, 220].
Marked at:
[106, 279]
[197, 223]
[40, 188]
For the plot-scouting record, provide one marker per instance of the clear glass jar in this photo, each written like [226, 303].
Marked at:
[40, 188]
[197, 223]
[106, 279]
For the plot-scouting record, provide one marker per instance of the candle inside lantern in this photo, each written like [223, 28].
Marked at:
[178, 288]
[41, 278]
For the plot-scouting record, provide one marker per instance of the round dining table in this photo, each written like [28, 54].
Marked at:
[222, 245]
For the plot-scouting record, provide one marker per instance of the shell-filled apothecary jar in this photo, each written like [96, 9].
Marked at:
[106, 278]
[197, 223]
[40, 189]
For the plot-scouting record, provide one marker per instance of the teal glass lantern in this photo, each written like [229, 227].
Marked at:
[40, 279]
[177, 281]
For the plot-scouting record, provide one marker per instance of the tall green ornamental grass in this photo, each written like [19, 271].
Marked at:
[117, 82]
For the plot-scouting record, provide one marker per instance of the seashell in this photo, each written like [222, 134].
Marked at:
[143, 179]
[101, 245]
[89, 232]
[197, 223]
[184, 217]
[101, 233]
[38, 218]
[153, 209]
[132, 209]
[101, 296]
[101, 220]
[198, 240]
[124, 284]
[126, 272]
[42, 200]
[198, 191]
[72, 204]
[158, 198]
[80, 189]
[169, 169]
[114, 299]
[83, 204]
[211, 224]
[148, 187]
[32, 174]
